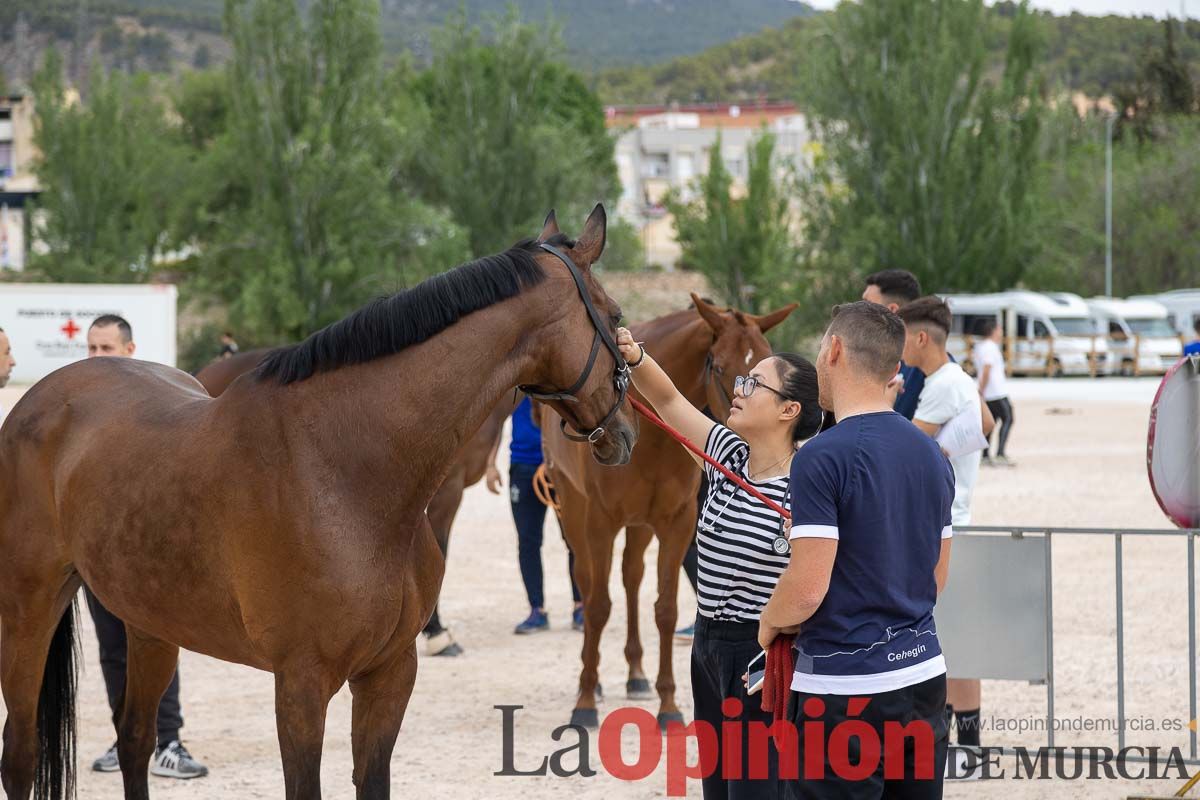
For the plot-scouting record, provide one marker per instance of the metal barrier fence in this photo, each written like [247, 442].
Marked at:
[1007, 651]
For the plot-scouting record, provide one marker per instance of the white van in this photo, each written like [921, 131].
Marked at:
[1044, 334]
[1140, 338]
[1183, 309]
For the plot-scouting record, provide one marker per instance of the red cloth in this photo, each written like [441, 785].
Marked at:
[777, 682]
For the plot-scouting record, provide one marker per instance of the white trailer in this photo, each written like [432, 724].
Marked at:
[1043, 334]
[47, 323]
[1140, 337]
[1183, 309]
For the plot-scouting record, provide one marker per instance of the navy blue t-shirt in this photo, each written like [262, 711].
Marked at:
[884, 490]
[526, 445]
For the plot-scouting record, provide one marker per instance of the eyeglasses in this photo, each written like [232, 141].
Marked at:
[747, 385]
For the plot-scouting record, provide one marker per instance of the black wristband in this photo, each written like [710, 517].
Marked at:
[641, 358]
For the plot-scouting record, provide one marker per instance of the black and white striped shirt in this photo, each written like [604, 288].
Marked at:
[738, 565]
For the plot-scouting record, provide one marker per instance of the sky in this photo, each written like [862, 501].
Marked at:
[1157, 8]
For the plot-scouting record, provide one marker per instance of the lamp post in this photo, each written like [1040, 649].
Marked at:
[1108, 134]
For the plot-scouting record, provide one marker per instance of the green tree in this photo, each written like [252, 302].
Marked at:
[511, 132]
[107, 168]
[743, 244]
[927, 158]
[312, 216]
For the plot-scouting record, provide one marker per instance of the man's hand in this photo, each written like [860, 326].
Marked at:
[493, 479]
[768, 633]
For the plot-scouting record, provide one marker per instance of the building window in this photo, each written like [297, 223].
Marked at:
[6, 156]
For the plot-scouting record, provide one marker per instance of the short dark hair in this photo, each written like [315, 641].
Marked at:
[873, 335]
[799, 383]
[930, 313]
[898, 286]
[122, 324]
[1195, 324]
[985, 327]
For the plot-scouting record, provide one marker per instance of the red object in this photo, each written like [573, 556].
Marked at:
[778, 679]
[70, 329]
[679, 437]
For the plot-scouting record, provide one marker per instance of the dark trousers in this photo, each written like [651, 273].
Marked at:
[110, 631]
[720, 653]
[530, 517]
[920, 703]
[1002, 410]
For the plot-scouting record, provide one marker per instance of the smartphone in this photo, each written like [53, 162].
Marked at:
[756, 671]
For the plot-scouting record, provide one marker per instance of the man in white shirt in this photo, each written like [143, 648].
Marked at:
[7, 362]
[948, 392]
[993, 386]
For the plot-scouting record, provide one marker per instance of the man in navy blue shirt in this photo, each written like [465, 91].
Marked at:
[870, 543]
[895, 288]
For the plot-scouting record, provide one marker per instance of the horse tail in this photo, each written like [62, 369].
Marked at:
[55, 776]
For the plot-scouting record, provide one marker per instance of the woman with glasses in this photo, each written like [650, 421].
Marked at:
[743, 545]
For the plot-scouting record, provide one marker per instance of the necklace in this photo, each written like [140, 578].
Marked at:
[767, 472]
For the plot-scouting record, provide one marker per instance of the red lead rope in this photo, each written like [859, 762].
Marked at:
[778, 678]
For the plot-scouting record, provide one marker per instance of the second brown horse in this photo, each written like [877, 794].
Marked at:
[703, 350]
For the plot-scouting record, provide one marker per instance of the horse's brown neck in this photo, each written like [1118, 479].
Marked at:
[394, 426]
[680, 344]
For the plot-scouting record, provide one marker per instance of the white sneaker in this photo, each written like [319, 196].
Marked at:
[107, 762]
[174, 761]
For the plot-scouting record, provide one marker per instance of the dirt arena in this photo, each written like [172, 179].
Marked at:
[1080, 448]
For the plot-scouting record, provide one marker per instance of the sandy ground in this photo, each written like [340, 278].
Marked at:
[1081, 452]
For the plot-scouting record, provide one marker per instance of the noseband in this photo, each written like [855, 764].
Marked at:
[620, 374]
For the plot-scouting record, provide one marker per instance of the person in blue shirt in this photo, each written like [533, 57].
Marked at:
[529, 515]
[870, 537]
[895, 288]
[1193, 348]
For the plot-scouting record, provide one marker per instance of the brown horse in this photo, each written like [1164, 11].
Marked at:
[281, 525]
[467, 470]
[703, 350]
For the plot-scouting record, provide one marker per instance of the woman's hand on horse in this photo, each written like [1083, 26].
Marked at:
[493, 479]
[631, 351]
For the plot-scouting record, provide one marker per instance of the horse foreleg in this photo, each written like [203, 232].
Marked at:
[597, 605]
[150, 665]
[380, 699]
[633, 568]
[674, 537]
[303, 689]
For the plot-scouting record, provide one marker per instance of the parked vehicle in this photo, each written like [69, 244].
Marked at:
[1043, 334]
[1183, 308]
[1140, 336]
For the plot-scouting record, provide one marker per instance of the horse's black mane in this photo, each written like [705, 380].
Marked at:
[387, 325]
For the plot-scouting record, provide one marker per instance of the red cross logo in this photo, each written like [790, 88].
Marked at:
[70, 329]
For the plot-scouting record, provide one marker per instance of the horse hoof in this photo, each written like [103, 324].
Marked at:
[442, 644]
[585, 718]
[450, 651]
[666, 717]
[638, 688]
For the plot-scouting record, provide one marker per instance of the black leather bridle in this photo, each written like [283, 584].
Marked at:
[620, 376]
[712, 375]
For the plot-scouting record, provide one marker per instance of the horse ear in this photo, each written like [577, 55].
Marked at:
[708, 313]
[549, 227]
[768, 321]
[590, 244]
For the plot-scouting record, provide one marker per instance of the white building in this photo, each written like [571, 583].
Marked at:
[660, 149]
